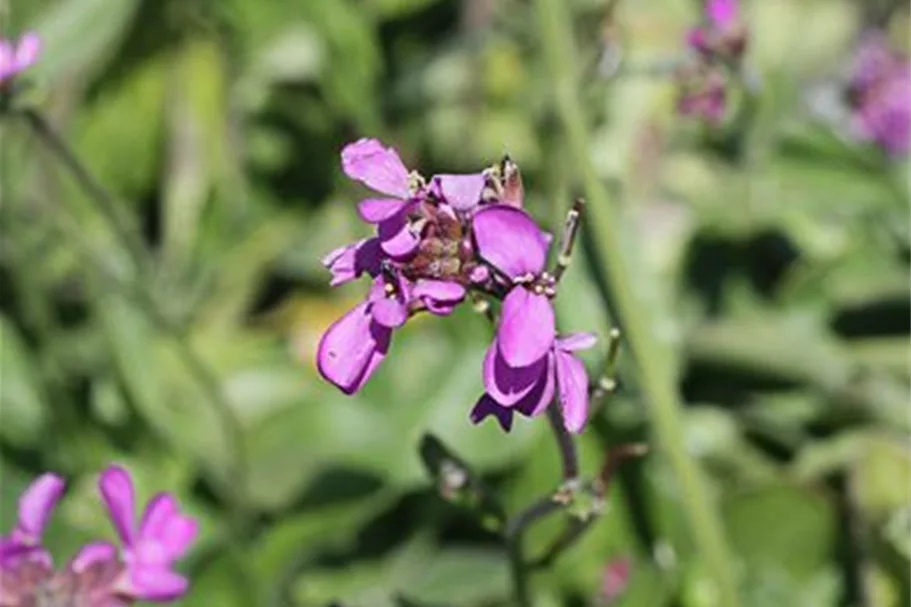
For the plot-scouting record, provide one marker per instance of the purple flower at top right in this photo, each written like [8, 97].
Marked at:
[879, 95]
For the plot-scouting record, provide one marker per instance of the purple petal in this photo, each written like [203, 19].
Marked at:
[383, 337]
[90, 554]
[348, 349]
[27, 52]
[439, 290]
[572, 380]
[536, 401]
[375, 210]
[487, 406]
[527, 328]
[6, 59]
[721, 13]
[507, 385]
[376, 166]
[576, 341]
[163, 524]
[463, 192]
[156, 584]
[696, 38]
[37, 503]
[396, 238]
[349, 262]
[116, 488]
[510, 239]
[389, 312]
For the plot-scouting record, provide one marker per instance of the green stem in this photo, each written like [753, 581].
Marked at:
[655, 362]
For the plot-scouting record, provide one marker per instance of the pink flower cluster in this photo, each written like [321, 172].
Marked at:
[101, 574]
[435, 241]
[879, 94]
[15, 58]
[719, 43]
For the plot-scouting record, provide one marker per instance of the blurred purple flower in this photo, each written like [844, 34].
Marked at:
[98, 575]
[150, 549]
[529, 390]
[615, 580]
[880, 95]
[723, 35]
[703, 94]
[15, 58]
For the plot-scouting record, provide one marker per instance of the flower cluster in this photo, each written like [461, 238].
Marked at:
[719, 45]
[879, 94]
[436, 240]
[15, 58]
[101, 574]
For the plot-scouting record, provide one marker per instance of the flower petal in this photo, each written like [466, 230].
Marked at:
[576, 341]
[383, 337]
[439, 290]
[488, 406]
[27, 51]
[349, 262]
[37, 503]
[6, 59]
[508, 385]
[389, 312]
[116, 488]
[376, 166]
[510, 239]
[158, 584]
[536, 401]
[90, 554]
[397, 239]
[375, 210]
[462, 192]
[572, 380]
[722, 13]
[527, 327]
[347, 348]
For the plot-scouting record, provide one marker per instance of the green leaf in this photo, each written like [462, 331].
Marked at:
[24, 410]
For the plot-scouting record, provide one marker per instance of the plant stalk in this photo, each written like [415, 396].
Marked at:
[654, 359]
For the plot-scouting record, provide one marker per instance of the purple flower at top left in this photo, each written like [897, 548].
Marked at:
[16, 57]
[100, 574]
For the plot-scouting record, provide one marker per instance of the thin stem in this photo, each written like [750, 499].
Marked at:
[568, 241]
[515, 529]
[568, 456]
[659, 374]
[573, 531]
[106, 203]
[607, 383]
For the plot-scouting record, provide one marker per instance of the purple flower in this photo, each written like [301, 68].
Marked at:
[529, 390]
[615, 580]
[351, 261]
[461, 192]
[16, 58]
[880, 95]
[724, 34]
[150, 549]
[354, 346]
[35, 507]
[510, 240]
[703, 94]
[98, 575]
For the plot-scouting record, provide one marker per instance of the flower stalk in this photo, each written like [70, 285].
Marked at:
[654, 359]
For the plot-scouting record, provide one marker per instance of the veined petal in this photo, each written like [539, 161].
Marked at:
[527, 327]
[346, 349]
[535, 402]
[376, 166]
[487, 406]
[116, 488]
[375, 210]
[462, 192]
[572, 380]
[507, 385]
[576, 341]
[37, 503]
[510, 239]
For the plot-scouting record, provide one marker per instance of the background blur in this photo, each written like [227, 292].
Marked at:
[779, 273]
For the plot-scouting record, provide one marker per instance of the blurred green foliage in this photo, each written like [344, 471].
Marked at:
[779, 257]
